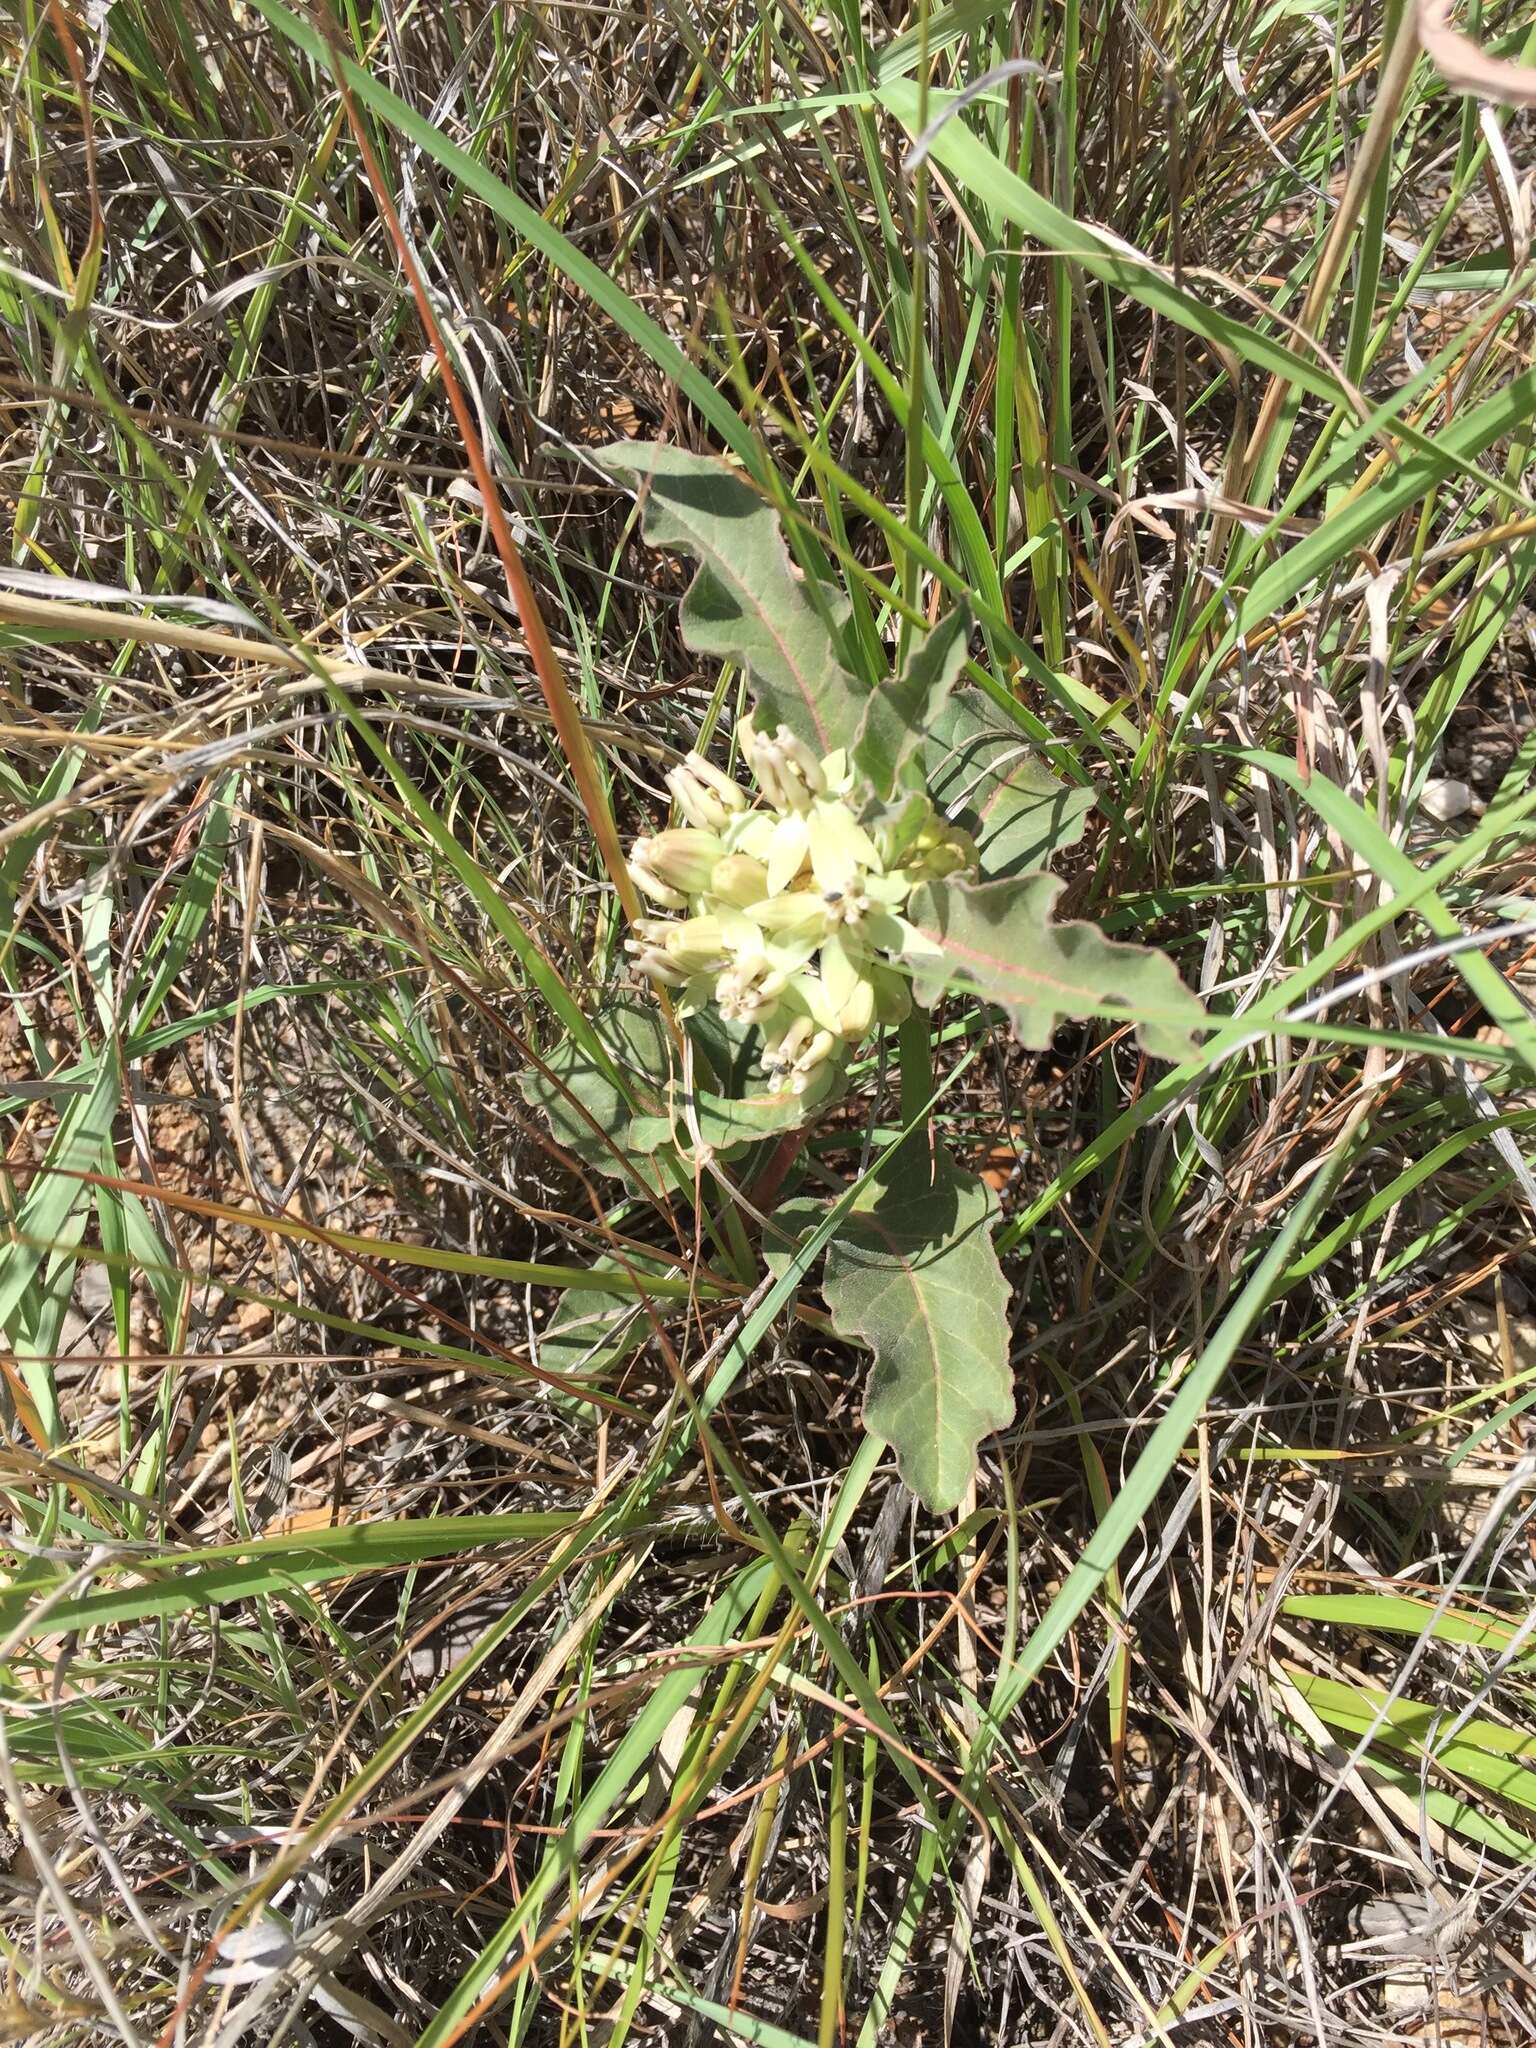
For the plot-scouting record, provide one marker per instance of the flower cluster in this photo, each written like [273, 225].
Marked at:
[793, 903]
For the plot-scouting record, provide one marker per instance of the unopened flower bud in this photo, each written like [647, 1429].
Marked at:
[739, 880]
[698, 803]
[798, 914]
[947, 859]
[681, 859]
[941, 849]
[652, 885]
[804, 1069]
[655, 965]
[697, 945]
[731, 794]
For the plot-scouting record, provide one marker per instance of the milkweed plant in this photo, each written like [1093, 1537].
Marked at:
[893, 845]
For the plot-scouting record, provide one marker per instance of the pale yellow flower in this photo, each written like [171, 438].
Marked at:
[794, 904]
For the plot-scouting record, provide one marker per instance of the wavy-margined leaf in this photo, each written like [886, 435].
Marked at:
[621, 1132]
[589, 1333]
[899, 713]
[912, 1274]
[998, 939]
[746, 604]
[728, 1123]
[724, 1051]
[982, 775]
[587, 1110]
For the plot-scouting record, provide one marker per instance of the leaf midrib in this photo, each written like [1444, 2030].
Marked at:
[720, 567]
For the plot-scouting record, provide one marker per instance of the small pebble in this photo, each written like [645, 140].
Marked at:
[1447, 797]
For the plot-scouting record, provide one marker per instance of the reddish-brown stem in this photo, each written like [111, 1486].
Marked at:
[765, 1189]
[546, 663]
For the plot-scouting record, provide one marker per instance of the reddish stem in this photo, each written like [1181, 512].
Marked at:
[765, 1189]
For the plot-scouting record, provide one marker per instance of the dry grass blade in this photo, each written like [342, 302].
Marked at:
[1464, 64]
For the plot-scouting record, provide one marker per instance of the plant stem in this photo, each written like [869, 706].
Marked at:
[765, 1189]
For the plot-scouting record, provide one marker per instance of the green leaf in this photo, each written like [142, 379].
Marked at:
[725, 1051]
[1479, 1752]
[899, 714]
[1473, 1820]
[52, 1220]
[62, 775]
[1414, 477]
[736, 2025]
[912, 1274]
[587, 1111]
[727, 1123]
[633, 1757]
[590, 1334]
[186, 918]
[997, 938]
[746, 604]
[943, 27]
[1383, 857]
[1397, 1614]
[982, 775]
[978, 169]
[622, 1133]
[215, 1575]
